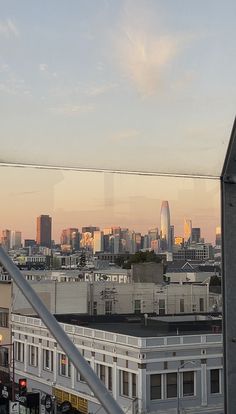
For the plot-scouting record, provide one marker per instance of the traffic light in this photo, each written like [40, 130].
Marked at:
[22, 387]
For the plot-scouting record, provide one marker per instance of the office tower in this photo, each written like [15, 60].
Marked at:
[75, 240]
[138, 241]
[107, 231]
[6, 239]
[87, 240]
[218, 236]
[196, 234]
[116, 230]
[114, 242]
[106, 242]
[124, 240]
[71, 237]
[90, 229]
[187, 231]
[98, 242]
[146, 243]
[152, 236]
[44, 231]
[29, 243]
[155, 245]
[15, 242]
[165, 234]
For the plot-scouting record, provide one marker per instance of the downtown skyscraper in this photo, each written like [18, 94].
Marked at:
[187, 231]
[165, 233]
[44, 231]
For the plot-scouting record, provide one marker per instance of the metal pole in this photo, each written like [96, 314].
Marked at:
[228, 226]
[13, 372]
[178, 389]
[99, 389]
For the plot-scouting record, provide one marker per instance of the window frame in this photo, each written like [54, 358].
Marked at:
[108, 307]
[137, 309]
[212, 383]
[33, 355]
[171, 385]
[154, 386]
[50, 365]
[4, 317]
[64, 368]
[186, 383]
[125, 383]
[19, 351]
[181, 305]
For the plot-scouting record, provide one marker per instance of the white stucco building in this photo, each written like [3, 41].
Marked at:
[104, 297]
[139, 365]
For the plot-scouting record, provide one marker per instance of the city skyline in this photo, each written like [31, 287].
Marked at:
[116, 175]
[44, 226]
[76, 198]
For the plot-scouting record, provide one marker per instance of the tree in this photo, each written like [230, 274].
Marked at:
[142, 257]
[82, 260]
[56, 263]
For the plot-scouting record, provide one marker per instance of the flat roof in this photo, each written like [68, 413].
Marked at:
[133, 325]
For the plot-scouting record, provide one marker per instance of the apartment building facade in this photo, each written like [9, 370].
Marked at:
[145, 373]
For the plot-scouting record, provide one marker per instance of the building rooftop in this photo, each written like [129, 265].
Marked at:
[135, 325]
[192, 266]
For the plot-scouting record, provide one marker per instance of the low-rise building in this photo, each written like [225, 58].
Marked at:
[145, 370]
[105, 298]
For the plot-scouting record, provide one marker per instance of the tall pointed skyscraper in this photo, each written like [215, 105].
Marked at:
[165, 234]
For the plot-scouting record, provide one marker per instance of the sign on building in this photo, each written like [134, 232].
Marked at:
[14, 407]
[76, 402]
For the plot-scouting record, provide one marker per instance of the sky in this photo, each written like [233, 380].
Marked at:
[116, 85]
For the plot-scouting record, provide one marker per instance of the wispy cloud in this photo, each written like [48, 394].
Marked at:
[71, 110]
[144, 57]
[144, 52]
[101, 89]
[8, 28]
[128, 134]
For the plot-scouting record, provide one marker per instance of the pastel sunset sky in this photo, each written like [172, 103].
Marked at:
[139, 85]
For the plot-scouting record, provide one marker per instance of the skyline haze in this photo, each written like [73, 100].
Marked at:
[76, 199]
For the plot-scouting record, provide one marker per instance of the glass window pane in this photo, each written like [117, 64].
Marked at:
[215, 381]
[125, 383]
[188, 383]
[155, 386]
[171, 379]
[161, 89]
